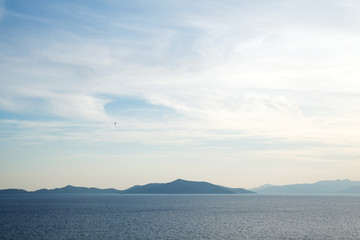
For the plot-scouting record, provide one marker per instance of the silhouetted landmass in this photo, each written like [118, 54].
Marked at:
[138, 188]
[180, 186]
[176, 187]
[13, 191]
[65, 190]
[323, 187]
[76, 190]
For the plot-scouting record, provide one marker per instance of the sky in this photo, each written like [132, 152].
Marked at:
[237, 93]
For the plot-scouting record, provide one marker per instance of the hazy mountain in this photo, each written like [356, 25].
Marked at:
[261, 187]
[239, 190]
[322, 187]
[180, 186]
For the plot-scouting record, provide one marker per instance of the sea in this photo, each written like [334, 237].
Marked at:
[27, 217]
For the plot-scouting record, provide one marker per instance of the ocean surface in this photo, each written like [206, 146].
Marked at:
[179, 217]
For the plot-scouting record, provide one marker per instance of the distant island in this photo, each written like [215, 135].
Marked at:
[178, 186]
[181, 186]
[322, 187]
[65, 190]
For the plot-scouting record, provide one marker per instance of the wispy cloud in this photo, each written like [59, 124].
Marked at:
[235, 67]
[285, 71]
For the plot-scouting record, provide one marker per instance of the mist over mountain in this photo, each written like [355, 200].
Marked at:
[258, 189]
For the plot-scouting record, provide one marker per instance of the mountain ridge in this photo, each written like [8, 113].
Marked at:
[321, 187]
[178, 186]
[181, 186]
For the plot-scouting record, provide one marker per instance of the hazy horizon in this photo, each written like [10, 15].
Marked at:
[236, 93]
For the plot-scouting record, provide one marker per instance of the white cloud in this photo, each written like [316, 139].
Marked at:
[264, 69]
[254, 91]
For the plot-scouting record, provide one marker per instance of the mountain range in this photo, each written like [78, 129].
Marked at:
[181, 186]
[178, 186]
[322, 187]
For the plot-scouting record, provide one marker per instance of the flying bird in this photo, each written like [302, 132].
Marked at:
[114, 123]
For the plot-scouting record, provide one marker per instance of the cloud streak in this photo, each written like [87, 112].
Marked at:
[231, 71]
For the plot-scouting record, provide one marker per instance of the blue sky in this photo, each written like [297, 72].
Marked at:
[238, 93]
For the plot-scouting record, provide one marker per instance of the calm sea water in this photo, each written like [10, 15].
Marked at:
[179, 217]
